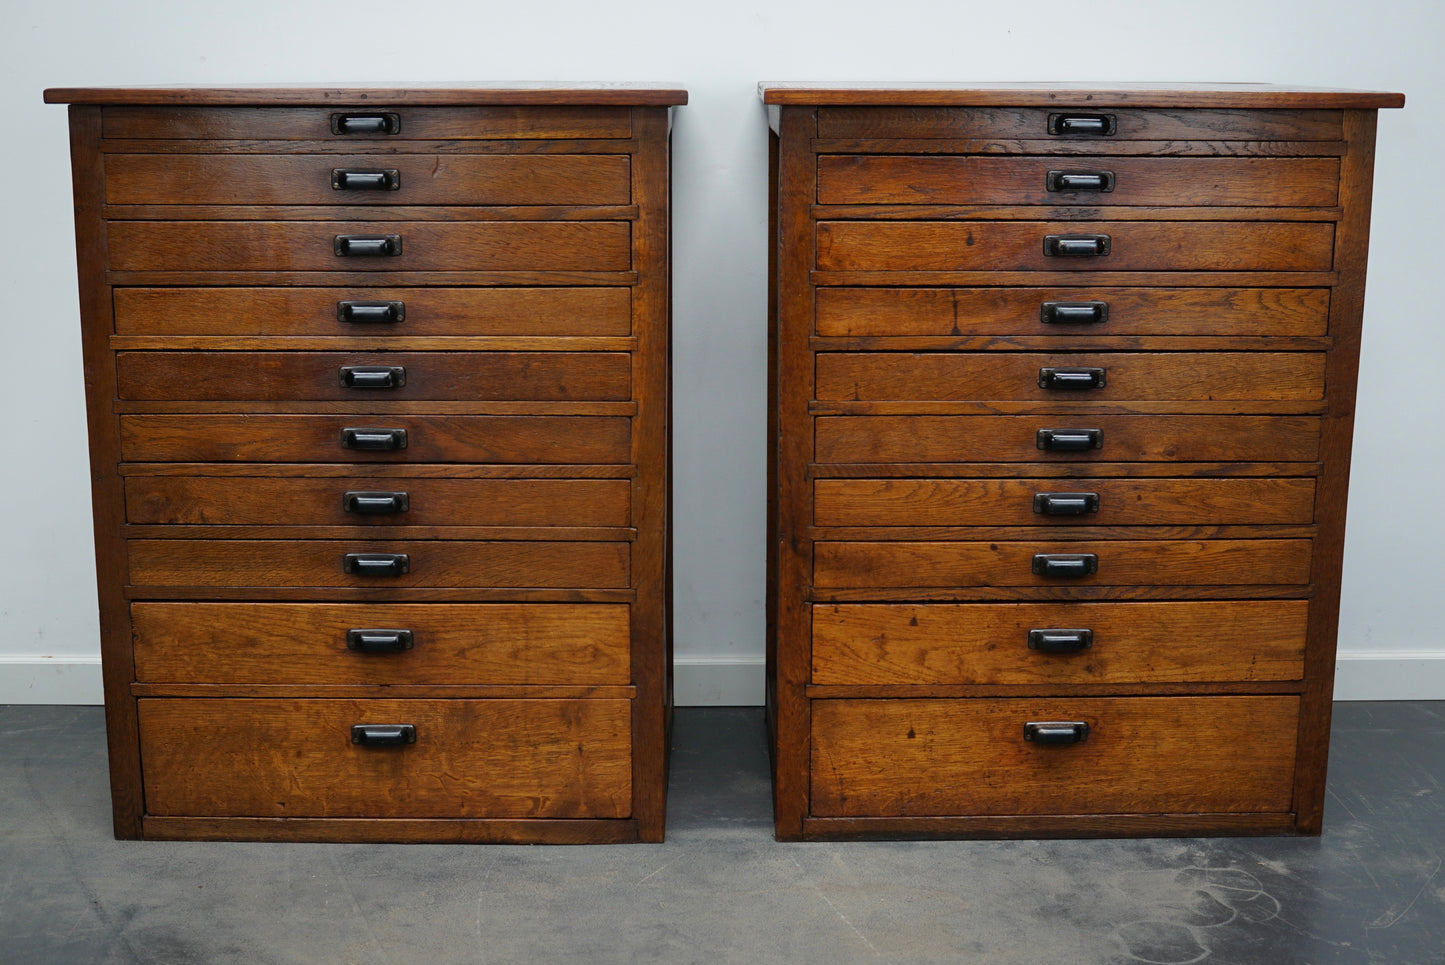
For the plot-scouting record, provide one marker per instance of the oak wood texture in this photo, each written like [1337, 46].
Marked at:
[443, 312]
[259, 376]
[1191, 312]
[1293, 182]
[290, 644]
[929, 346]
[883, 376]
[1011, 502]
[425, 246]
[461, 95]
[292, 501]
[927, 757]
[988, 643]
[513, 451]
[308, 179]
[295, 758]
[1019, 246]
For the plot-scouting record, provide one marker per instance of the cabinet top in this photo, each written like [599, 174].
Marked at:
[422, 95]
[1074, 95]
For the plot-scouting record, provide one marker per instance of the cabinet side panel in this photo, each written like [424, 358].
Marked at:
[1347, 304]
[88, 177]
[651, 655]
[797, 175]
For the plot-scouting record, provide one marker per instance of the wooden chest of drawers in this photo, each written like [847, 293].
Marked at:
[1062, 384]
[378, 398]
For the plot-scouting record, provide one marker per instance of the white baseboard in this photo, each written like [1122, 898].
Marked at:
[717, 681]
[28, 678]
[738, 681]
[1390, 675]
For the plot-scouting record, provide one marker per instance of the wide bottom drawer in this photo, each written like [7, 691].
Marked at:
[467, 758]
[1141, 755]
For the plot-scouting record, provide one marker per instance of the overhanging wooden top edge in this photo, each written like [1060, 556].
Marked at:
[412, 95]
[1074, 95]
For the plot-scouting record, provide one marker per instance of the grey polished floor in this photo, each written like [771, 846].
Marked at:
[721, 890]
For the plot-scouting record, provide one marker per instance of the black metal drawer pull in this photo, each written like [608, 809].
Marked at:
[386, 123]
[373, 440]
[1071, 379]
[376, 564]
[1074, 313]
[1076, 246]
[1089, 125]
[346, 179]
[375, 504]
[1080, 181]
[1070, 440]
[371, 312]
[372, 376]
[1068, 566]
[1060, 641]
[378, 641]
[383, 735]
[1066, 504]
[367, 246]
[1056, 732]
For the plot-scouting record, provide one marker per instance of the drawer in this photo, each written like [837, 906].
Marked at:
[393, 311]
[367, 378]
[1062, 502]
[443, 179]
[419, 246]
[304, 644]
[410, 123]
[329, 438]
[1125, 124]
[1150, 563]
[1073, 643]
[471, 758]
[409, 563]
[1063, 378]
[1264, 182]
[375, 501]
[1096, 311]
[1145, 755]
[1146, 438]
[1021, 246]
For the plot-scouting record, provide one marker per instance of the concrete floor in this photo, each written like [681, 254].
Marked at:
[721, 890]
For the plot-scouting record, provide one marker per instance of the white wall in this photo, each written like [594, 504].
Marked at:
[1390, 625]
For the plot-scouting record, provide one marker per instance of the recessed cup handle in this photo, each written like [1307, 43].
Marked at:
[383, 735]
[1056, 733]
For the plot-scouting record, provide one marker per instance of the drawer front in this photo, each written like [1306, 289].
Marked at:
[444, 179]
[366, 378]
[960, 439]
[1062, 502]
[324, 438]
[417, 563]
[411, 123]
[380, 501]
[1152, 563]
[918, 758]
[1021, 246]
[1063, 378]
[1264, 182]
[862, 312]
[394, 311]
[1126, 124]
[291, 644]
[421, 246]
[1071, 643]
[470, 759]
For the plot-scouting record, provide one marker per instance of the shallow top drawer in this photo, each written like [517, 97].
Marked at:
[1074, 124]
[343, 179]
[362, 124]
